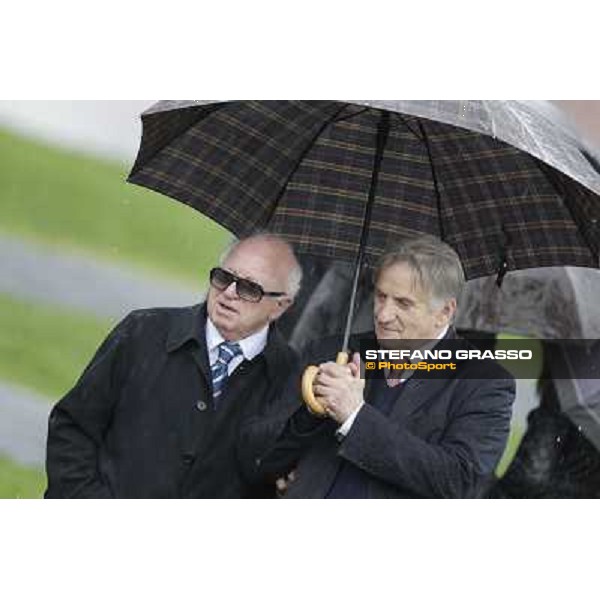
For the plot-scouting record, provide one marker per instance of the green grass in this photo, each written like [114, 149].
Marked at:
[46, 348]
[514, 439]
[531, 371]
[81, 202]
[20, 482]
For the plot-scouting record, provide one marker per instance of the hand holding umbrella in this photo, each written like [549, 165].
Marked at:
[339, 389]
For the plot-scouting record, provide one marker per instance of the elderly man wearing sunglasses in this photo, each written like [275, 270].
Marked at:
[157, 411]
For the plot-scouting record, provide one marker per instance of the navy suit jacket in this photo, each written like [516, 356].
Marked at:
[442, 438]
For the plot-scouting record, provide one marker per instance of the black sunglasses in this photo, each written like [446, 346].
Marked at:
[244, 288]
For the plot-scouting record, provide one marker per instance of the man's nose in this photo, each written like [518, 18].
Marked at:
[231, 291]
[384, 313]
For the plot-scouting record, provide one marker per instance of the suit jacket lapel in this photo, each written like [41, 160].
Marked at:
[416, 396]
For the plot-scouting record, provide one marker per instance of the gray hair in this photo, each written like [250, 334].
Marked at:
[435, 264]
[294, 278]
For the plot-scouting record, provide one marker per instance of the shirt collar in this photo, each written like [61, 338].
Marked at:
[443, 334]
[428, 346]
[251, 346]
[433, 343]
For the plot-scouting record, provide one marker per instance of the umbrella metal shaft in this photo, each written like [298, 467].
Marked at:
[383, 129]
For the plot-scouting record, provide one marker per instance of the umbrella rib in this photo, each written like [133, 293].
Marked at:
[435, 179]
[409, 127]
[299, 161]
[203, 110]
[352, 115]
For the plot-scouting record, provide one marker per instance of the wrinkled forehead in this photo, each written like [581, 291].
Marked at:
[401, 277]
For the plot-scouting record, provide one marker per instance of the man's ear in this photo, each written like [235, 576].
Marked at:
[447, 312]
[282, 305]
[286, 302]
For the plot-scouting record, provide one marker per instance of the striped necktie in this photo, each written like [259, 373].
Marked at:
[227, 352]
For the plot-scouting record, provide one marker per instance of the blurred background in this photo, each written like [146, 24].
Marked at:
[80, 248]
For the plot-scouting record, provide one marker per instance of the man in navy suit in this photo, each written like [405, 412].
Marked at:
[401, 436]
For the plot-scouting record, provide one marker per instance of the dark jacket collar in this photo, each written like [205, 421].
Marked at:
[189, 323]
[186, 324]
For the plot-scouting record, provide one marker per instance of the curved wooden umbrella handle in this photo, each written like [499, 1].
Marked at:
[308, 377]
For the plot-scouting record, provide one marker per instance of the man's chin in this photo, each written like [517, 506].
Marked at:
[224, 323]
[388, 341]
[387, 334]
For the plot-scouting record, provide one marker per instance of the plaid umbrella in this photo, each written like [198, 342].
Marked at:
[342, 180]
[501, 182]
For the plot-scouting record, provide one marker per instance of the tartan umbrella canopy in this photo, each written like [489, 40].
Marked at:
[498, 181]
[501, 182]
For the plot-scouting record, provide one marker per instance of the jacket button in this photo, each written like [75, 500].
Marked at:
[187, 459]
[201, 405]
